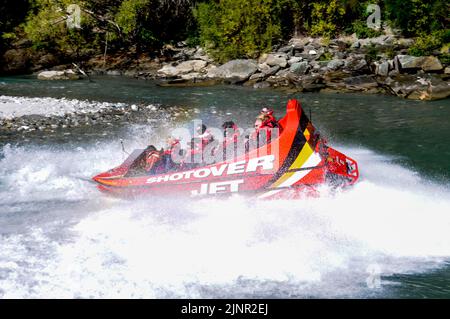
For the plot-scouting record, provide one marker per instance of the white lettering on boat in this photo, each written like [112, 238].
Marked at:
[218, 188]
[264, 163]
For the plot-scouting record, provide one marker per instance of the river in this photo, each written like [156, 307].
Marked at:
[388, 236]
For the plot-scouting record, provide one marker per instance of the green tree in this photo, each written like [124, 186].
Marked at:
[12, 13]
[242, 28]
[416, 17]
[327, 17]
[150, 23]
[46, 27]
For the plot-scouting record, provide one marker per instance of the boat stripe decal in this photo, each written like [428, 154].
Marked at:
[296, 146]
[314, 159]
[302, 157]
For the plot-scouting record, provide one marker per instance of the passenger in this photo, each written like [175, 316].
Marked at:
[204, 134]
[268, 119]
[230, 131]
[152, 160]
[231, 135]
[264, 123]
[173, 146]
[194, 154]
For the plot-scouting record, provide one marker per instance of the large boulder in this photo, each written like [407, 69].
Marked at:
[58, 75]
[356, 64]
[299, 68]
[191, 66]
[275, 59]
[409, 62]
[234, 70]
[382, 68]
[182, 68]
[419, 88]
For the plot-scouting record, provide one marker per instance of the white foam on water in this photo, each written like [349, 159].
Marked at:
[13, 106]
[321, 247]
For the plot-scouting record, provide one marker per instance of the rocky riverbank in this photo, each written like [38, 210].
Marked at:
[47, 115]
[378, 65]
[347, 64]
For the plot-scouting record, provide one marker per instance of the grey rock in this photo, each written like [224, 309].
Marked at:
[234, 70]
[426, 63]
[257, 76]
[382, 68]
[360, 83]
[294, 60]
[420, 88]
[192, 76]
[356, 45]
[282, 73]
[356, 64]
[261, 85]
[272, 70]
[276, 59]
[300, 68]
[182, 68]
[263, 67]
[58, 75]
[335, 64]
[114, 73]
[286, 49]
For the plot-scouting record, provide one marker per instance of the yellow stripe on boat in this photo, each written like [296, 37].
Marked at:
[307, 134]
[302, 157]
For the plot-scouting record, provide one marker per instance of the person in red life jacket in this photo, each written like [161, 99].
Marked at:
[204, 134]
[151, 160]
[264, 124]
[230, 137]
[205, 138]
[268, 120]
[173, 146]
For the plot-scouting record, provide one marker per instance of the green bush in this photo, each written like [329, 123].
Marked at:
[327, 18]
[362, 31]
[149, 24]
[46, 27]
[425, 44]
[13, 12]
[417, 17]
[239, 28]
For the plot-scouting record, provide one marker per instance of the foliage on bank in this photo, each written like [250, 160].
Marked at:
[226, 28]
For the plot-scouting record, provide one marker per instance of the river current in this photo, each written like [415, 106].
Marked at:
[388, 236]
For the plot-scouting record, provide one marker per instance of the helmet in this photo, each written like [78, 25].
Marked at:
[267, 111]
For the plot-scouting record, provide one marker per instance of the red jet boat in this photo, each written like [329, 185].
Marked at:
[290, 165]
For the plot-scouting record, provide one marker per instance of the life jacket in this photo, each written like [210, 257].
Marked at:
[171, 147]
[151, 159]
[270, 122]
[206, 138]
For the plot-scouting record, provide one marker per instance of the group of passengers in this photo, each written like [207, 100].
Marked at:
[156, 161]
